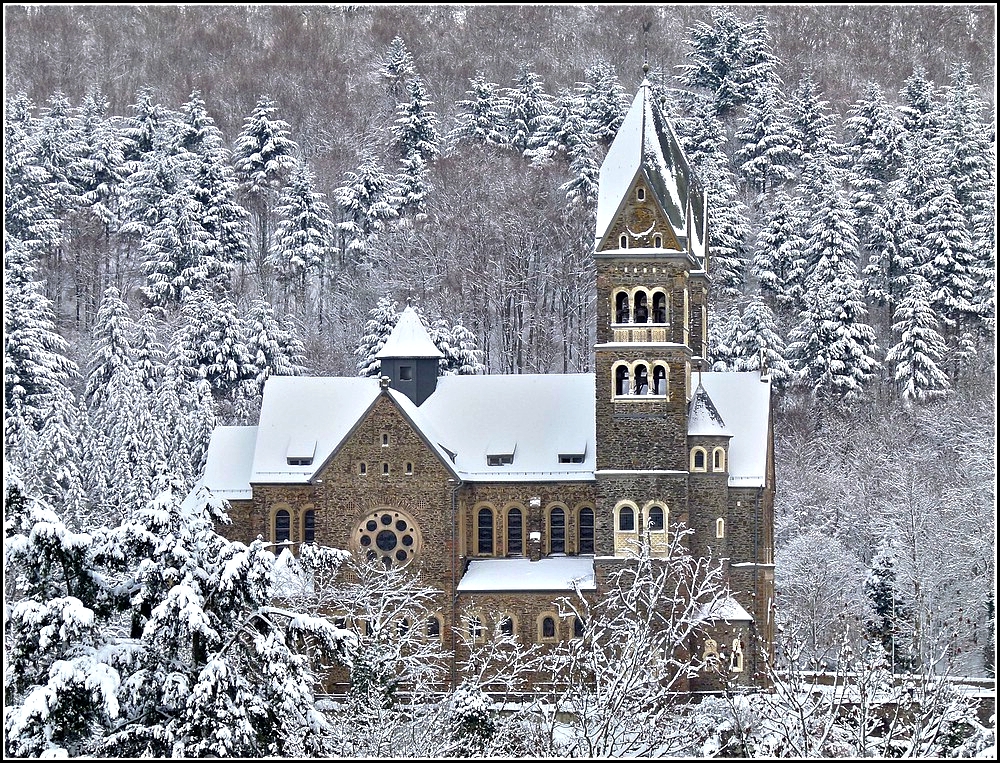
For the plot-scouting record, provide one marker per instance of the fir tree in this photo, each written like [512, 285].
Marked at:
[381, 321]
[272, 349]
[480, 116]
[100, 169]
[778, 261]
[112, 347]
[412, 187]
[28, 191]
[459, 347]
[396, 67]
[368, 203]
[603, 102]
[211, 344]
[302, 238]
[914, 360]
[415, 131]
[893, 244]
[812, 128]
[766, 155]
[757, 345]
[888, 609]
[525, 106]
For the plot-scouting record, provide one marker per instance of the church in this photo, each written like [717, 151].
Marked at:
[509, 492]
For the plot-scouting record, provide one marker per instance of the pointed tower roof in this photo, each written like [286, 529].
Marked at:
[409, 339]
[703, 417]
[646, 143]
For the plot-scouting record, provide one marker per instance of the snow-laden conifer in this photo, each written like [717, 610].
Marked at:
[479, 118]
[303, 235]
[914, 360]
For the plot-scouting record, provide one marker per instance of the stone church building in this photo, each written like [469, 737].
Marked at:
[508, 491]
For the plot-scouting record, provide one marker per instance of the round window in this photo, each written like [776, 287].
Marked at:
[387, 537]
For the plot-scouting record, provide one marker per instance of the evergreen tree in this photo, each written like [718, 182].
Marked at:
[28, 190]
[396, 67]
[893, 244]
[831, 242]
[758, 346]
[766, 155]
[459, 347]
[914, 360]
[100, 170]
[812, 128]
[302, 238]
[562, 127]
[778, 261]
[875, 149]
[37, 371]
[273, 349]
[415, 131]
[368, 203]
[381, 321]
[211, 344]
[412, 187]
[149, 355]
[525, 106]
[112, 347]
[730, 59]
[55, 475]
[603, 102]
[263, 156]
[888, 609]
[480, 116]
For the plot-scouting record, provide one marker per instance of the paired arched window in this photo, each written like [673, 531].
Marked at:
[282, 526]
[659, 306]
[719, 460]
[641, 311]
[557, 531]
[484, 524]
[548, 628]
[626, 519]
[656, 520]
[698, 460]
[622, 312]
[309, 526]
[640, 305]
[515, 532]
[622, 385]
[585, 528]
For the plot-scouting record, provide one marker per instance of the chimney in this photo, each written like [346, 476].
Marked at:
[534, 546]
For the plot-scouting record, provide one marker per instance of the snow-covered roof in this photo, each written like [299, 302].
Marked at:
[550, 573]
[298, 409]
[744, 402]
[409, 339]
[536, 417]
[646, 143]
[726, 608]
[229, 461]
[547, 421]
[703, 417]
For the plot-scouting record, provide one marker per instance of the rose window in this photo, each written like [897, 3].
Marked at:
[388, 536]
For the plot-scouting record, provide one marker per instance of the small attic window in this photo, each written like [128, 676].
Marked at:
[300, 452]
[406, 373]
[658, 242]
[500, 459]
[623, 242]
[570, 458]
[640, 193]
[500, 453]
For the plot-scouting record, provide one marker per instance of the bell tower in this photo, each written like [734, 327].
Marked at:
[651, 257]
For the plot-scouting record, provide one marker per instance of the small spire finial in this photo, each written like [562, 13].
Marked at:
[645, 67]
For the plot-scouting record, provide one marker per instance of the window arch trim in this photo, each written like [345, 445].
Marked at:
[695, 452]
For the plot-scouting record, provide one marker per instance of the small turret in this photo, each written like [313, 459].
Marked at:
[409, 358]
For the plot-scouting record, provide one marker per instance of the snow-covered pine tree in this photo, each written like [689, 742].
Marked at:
[263, 157]
[757, 345]
[416, 128]
[558, 129]
[412, 187]
[480, 117]
[273, 349]
[381, 321]
[100, 169]
[888, 610]
[55, 474]
[459, 346]
[367, 204]
[603, 102]
[812, 127]
[778, 261]
[149, 354]
[303, 235]
[524, 106]
[831, 242]
[111, 348]
[396, 67]
[37, 371]
[210, 344]
[766, 155]
[914, 360]
[893, 244]
[60, 693]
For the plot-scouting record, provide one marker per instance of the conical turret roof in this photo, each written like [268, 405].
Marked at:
[409, 339]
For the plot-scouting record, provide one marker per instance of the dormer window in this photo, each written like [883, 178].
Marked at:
[299, 461]
[500, 453]
[300, 451]
[500, 459]
[570, 458]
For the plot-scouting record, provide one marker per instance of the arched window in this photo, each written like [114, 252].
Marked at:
[621, 307]
[658, 242]
[578, 627]
[656, 518]
[623, 242]
[719, 460]
[433, 627]
[698, 459]
[485, 531]
[557, 531]
[720, 528]
[641, 379]
[641, 307]
[736, 657]
[548, 627]
[515, 532]
[409, 468]
[385, 468]
[507, 625]
[282, 526]
[585, 543]
[626, 519]
[622, 381]
[659, 380]
[640, 193]
[474, 624]
[362, 468]
[309, 526]
[659, 306]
